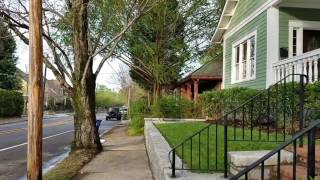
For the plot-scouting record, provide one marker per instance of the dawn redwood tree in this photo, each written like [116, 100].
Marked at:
[157, 44]
[78, 34]
[165, 43]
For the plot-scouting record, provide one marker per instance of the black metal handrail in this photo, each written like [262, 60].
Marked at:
[238, 120]
[311, 130]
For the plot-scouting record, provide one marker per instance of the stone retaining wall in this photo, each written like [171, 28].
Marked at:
[158, 149]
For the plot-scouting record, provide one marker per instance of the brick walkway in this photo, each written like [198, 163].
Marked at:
[124, 157]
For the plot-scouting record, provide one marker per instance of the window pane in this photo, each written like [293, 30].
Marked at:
[244, 60]
[238, 54]
[252, 56]
[244, 52]
[294, 43]
[237, 67]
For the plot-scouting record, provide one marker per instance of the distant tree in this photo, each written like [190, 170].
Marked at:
[156, 44]
[8, 72]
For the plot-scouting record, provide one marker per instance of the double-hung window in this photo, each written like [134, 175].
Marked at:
[244, 59]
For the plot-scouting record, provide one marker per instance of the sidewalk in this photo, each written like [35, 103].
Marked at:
[13, 120]
[123, 157]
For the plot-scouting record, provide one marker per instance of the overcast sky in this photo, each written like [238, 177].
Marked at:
[107, 76]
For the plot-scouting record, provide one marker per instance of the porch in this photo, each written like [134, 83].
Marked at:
[307, 63]
[206, 78]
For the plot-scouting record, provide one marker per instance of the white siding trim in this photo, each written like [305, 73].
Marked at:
[272, 43]
[253, 15]
[224, 66]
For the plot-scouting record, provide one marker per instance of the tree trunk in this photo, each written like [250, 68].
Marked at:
[83, 91]
[86, 136]
[156, 92]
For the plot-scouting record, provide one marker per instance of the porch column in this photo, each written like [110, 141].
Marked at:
[195, 89]
[272, 44]
[189, 91]
[183, 91]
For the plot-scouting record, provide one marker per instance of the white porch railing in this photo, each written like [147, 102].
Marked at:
[307, 63]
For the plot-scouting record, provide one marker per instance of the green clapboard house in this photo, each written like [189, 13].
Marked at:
[265, 40]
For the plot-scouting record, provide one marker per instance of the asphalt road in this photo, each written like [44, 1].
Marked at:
[57, 137]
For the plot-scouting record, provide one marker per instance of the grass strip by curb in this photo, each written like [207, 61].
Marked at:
[69, 167]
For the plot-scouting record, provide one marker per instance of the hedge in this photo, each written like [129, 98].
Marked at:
[138, 110]
[214, 103]
[11, 103]
[174, 107]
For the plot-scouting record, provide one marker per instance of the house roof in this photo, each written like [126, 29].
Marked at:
[211, 70]
[231, 6]
[225, 18]
[52, 87]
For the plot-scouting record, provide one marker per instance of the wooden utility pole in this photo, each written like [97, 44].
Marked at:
[35, 92]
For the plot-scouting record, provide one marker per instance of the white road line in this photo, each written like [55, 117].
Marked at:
[48, 137]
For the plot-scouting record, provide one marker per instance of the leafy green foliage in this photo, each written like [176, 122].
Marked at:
[202, 18]
[108, 98]
[216, 102]
[156, 44]
[175, 107]
[138, 110]
[313, 93]
[8, 71]
[11, 103]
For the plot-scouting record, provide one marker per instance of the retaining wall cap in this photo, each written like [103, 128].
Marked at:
[246, 158]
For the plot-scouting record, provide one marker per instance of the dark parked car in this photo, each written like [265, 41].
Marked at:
[113, 113]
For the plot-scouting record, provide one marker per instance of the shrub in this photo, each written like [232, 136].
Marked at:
[214, 103]
[138, 110]
[313, 100]
[176, 107]
[11, 103]
[313, 95]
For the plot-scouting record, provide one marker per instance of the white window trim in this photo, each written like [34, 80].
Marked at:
[233, 60]
[300, 26]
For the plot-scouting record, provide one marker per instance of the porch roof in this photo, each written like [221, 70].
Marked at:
[225, 18]
[212, 70]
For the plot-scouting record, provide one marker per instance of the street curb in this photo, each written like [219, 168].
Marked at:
[12, 122]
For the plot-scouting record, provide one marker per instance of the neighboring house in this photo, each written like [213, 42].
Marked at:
[53, 90]
[265, 40]
[205, 78]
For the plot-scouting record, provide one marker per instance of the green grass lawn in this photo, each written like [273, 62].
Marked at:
[175, 133]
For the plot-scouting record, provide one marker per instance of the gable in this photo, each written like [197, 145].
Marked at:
[243, 10]
[239, 15]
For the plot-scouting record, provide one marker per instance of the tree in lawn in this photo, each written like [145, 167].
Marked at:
[78, 34]
[8, 71]
[156, 44]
